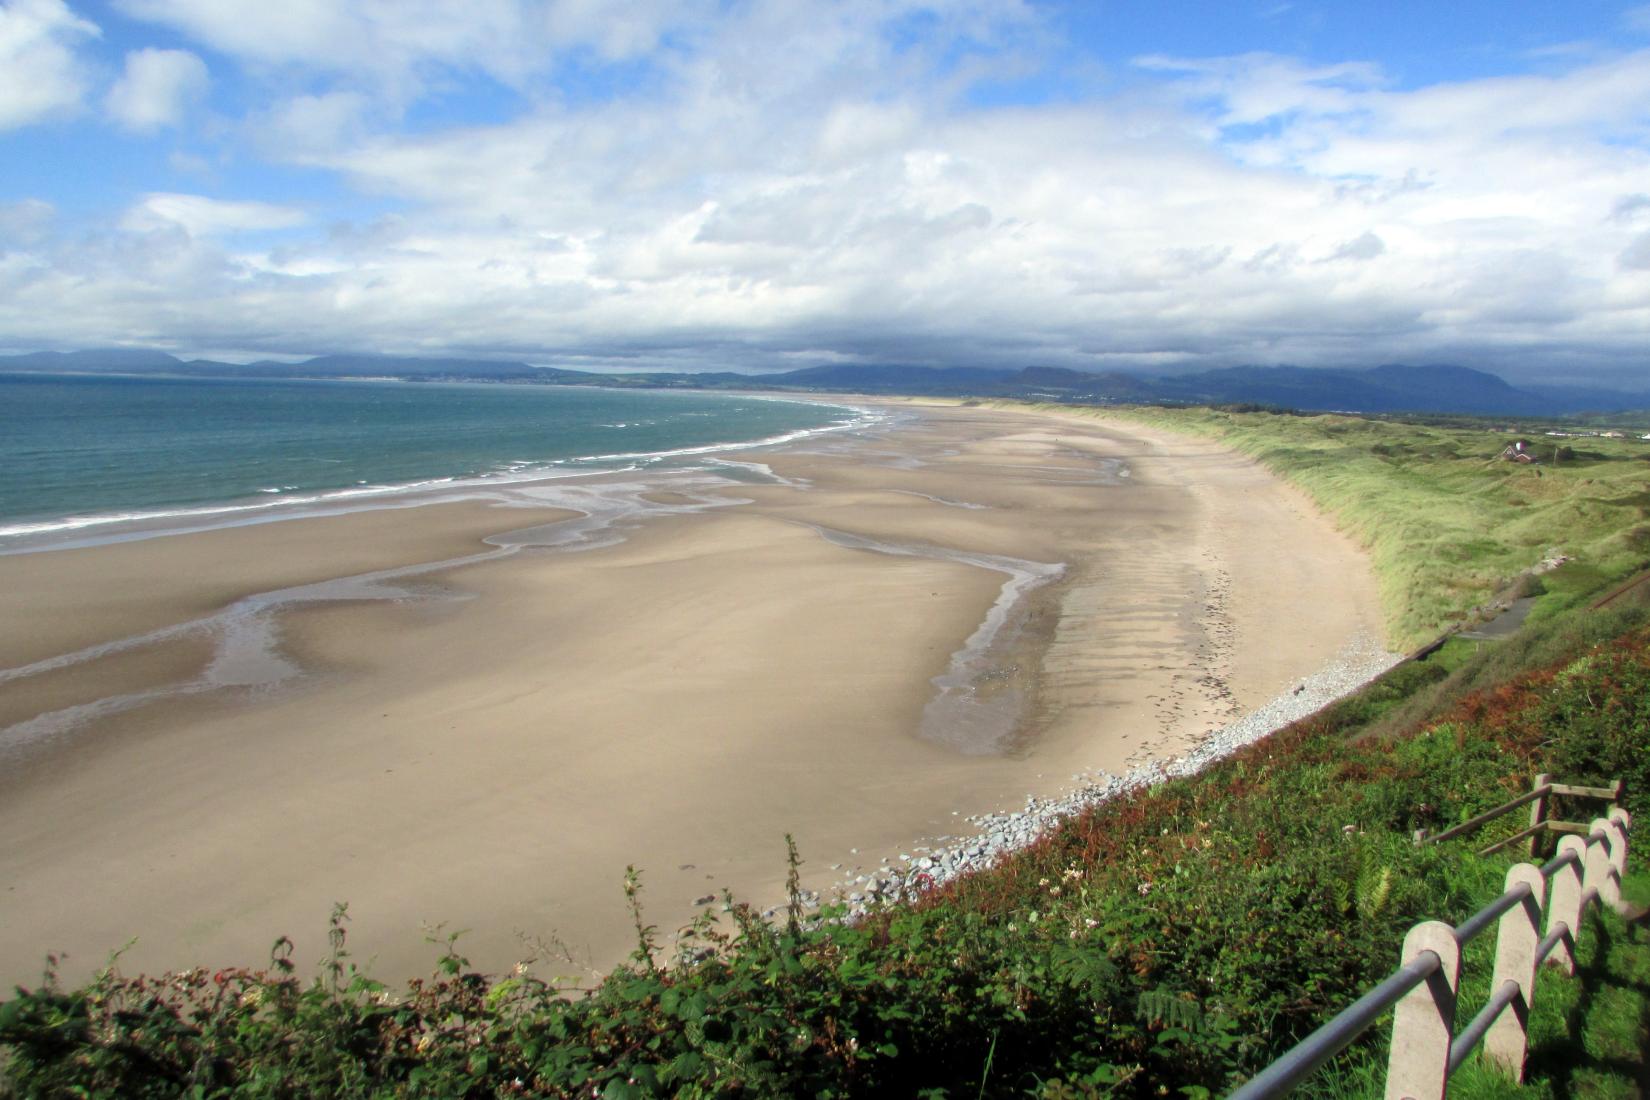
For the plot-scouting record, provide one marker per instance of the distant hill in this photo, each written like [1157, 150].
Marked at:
[1391, 388]
[122, 360]
[1383, 389]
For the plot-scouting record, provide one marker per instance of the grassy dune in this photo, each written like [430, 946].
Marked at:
[1447, 523]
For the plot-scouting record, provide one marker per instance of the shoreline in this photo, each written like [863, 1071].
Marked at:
[27, 536]
[936, 860]
[701, 671]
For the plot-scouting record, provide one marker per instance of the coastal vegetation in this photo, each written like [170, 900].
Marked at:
[1170, 941]
[1450, 525]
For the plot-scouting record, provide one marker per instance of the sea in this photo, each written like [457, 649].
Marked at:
[86, 458]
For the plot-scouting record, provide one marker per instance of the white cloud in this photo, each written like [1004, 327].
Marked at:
[618, 28]
[1629, 208]
[39, 73]
[1366, 246]
[400, 47]
[313, 125]
[24, 224]
[1255, 87]
[200, 216]
[1609, 94]
[156, 88]
[293, 30]
[1637, 254]
[390, 43]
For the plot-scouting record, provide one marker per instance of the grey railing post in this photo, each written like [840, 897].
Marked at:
[1538, 815]
[1601, 862]
[1564, 907]
[1515, 942]
[1615, 827]
[1418, 1065]
[1618, 853]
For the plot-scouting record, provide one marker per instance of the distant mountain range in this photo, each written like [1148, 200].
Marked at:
[1383, 389]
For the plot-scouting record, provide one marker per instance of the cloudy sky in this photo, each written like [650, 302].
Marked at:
[765, 184]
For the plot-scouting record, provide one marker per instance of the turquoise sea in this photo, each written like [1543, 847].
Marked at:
[83, 454]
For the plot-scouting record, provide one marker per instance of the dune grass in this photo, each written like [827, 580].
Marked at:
[1448, 524]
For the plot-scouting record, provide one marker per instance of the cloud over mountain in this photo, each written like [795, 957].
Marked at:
[773, 183]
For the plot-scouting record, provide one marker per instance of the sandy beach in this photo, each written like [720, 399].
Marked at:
[858, 639]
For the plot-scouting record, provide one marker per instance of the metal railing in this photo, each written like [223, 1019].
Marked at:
[1425, 1046]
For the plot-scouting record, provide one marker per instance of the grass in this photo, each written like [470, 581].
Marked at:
[1447, 524]
[1589, 1032]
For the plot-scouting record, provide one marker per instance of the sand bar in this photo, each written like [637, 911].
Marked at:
[698, 666]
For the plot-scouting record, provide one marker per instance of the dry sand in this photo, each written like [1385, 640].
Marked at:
[493, 749]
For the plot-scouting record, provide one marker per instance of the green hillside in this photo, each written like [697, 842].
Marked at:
[1448, 523]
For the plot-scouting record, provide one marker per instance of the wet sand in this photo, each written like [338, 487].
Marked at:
[677, 685]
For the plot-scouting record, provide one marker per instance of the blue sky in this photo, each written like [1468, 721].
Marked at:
[767, 184]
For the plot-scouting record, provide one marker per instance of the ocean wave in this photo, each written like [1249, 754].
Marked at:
[276, 501]
[76, 523]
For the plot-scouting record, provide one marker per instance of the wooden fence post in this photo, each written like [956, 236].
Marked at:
[1564, 907]
[1516, 939]
[1538, 815]
[1422, 1023]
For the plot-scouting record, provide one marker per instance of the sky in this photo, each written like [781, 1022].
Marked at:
[762, 185]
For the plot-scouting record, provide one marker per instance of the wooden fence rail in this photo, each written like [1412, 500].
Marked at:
[1426, 1048]
[1541, 821]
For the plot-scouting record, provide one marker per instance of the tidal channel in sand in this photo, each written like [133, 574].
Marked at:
[858, 639]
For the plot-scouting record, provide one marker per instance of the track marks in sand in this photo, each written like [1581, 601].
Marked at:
[1143, 618]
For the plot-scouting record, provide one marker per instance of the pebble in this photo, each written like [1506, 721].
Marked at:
[950, 857]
